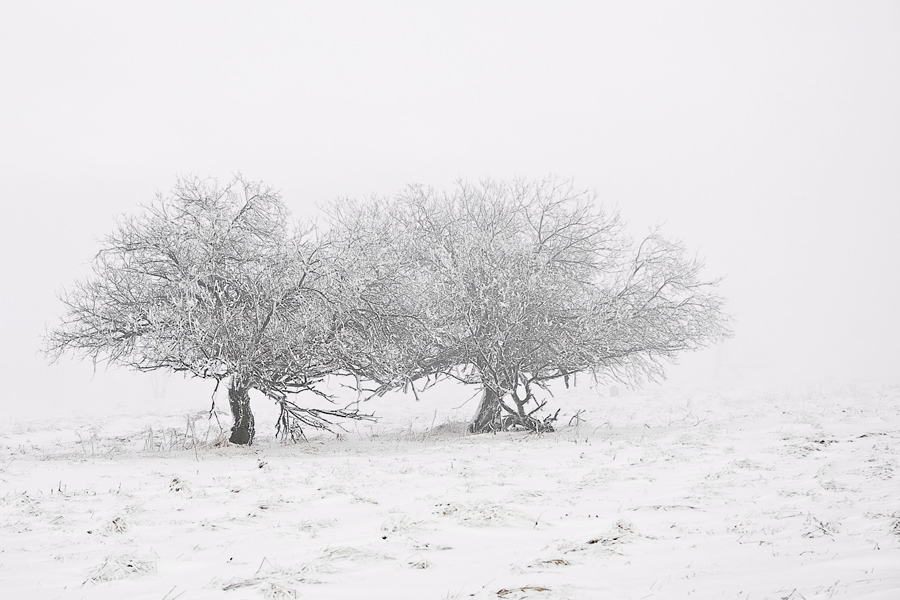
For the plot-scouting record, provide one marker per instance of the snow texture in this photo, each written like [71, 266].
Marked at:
[654, 494]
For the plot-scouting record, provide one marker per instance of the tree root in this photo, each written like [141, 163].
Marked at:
[511, 422]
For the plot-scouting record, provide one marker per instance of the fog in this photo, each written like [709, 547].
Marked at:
[764, 135]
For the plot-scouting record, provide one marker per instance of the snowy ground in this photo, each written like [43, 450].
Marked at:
[651, 495]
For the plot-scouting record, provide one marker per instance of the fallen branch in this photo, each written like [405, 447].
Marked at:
[294, 418]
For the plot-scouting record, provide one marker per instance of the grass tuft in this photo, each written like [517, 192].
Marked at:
[121, 566]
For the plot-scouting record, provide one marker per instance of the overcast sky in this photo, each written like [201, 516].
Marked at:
[765, 135]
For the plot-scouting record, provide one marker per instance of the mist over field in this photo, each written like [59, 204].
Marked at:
[765, 137]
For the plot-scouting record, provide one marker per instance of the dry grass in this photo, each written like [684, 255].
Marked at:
[895, 524]
[121, 566]
[481, 513]
[116, 525]
[171, 439]
[273, 581]
[521, 592]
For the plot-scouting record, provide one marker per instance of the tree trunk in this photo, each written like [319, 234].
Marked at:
[487, 418]
[244, 426]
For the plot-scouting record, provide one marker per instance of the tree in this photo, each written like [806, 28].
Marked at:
[213, 281]
[524, 282]
[384, 337]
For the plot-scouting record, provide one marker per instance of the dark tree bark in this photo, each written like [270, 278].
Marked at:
[487, 417]
[244, 428]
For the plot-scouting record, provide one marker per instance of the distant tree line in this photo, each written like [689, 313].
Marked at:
[502, 285]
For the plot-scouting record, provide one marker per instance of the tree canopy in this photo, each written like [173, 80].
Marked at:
[215, 281]
[517, 283]
[505, 285]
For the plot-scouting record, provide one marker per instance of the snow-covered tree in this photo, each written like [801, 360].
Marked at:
[217, 282]
[511, 285]
[385, 338]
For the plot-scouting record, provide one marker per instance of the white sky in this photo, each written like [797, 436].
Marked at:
[766, 135]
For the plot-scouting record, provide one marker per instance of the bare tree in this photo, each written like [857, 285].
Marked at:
[519, 283]
[384, 336]
[213, 281]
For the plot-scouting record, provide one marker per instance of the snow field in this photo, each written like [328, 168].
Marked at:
[653, 494]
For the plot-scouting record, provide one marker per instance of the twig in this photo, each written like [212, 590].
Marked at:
[430, 429]
[166, 597]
